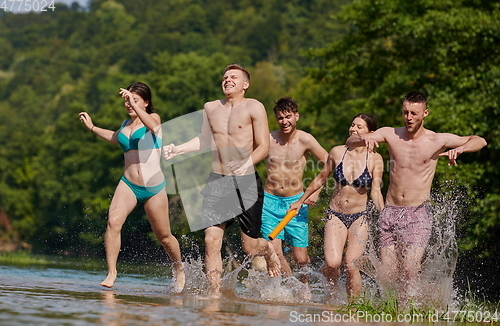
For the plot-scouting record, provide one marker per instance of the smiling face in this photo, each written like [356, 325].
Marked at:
[139, 101]
[359, 127]
[287, 121]
[234, 81]
[413, 115]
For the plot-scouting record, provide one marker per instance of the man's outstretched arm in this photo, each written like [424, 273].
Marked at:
[198, 143]
[459, 145]
[370, 140]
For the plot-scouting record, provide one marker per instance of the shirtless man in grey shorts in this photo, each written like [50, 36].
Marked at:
[236, 128]
[405, 223]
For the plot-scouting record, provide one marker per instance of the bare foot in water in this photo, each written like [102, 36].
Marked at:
[179, 278]
[273, 262]
[259, 264]
[109, 281]
[214, 283]
[306, 293]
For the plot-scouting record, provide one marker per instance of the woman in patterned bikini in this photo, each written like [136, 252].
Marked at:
[354, 171]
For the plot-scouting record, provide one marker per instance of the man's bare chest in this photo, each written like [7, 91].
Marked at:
[413, 153]
[288, 155]
[229, 123]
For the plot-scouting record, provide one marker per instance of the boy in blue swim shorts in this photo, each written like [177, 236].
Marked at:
[295, 232]
[286, 163]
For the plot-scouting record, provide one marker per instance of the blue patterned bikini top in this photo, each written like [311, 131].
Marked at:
[146, 138]
[363, 181]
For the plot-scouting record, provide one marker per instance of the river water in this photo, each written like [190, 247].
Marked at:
[62, 296]
[52, 296]
[67, 294]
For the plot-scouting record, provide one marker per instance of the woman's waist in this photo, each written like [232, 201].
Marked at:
[348, 204]
[144, 175]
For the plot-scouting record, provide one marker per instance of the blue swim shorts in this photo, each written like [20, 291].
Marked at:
[296, 232]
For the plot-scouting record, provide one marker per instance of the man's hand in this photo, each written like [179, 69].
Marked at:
[370, 144]
[239, 167]
[453, 155]
[169, 151]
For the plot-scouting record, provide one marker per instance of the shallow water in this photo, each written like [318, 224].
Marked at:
[53, 296]
[50, 296]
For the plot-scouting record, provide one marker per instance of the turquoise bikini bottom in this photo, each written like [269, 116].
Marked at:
[143, 193]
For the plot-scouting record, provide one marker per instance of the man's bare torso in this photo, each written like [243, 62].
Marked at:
[285, 165]
[412, 166]
[232, 133]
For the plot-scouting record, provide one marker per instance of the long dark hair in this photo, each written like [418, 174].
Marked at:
[143, 91]
[370, 120]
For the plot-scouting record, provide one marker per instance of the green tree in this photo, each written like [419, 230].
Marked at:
[184, 82]
[449, 50]
[56, 178]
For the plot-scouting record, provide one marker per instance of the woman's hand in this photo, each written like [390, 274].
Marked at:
[313, 199]
[127, 95]
[240, 167]
[87, 120]
[295, 206]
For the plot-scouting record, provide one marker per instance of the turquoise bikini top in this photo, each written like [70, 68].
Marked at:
[147, 139]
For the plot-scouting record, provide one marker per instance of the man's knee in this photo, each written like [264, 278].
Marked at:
[213, 241]
[301, 257]
[411, 268]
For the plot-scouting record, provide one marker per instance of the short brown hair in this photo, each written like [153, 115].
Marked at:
[415, 97]
[286, 104]
[237, 67]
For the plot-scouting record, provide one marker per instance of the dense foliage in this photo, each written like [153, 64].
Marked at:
[56, 178]
[449, 50]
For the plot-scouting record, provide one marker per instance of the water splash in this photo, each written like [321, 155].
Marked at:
[196, 280]
[259, 286]
[435, 287]
[441, 255]
[249, 284]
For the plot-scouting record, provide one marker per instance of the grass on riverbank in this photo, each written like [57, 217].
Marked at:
[471, 309]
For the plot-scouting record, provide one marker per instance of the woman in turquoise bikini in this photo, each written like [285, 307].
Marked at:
[142, 181]
[354, 171]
